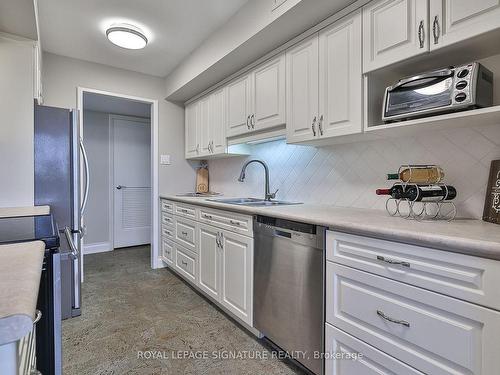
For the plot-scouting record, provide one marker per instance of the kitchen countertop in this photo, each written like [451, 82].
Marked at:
[20, 271]
[24, 211]
[467, 236]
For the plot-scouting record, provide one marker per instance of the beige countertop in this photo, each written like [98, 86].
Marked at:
[24, 211]
[20, 271]
[467, 236]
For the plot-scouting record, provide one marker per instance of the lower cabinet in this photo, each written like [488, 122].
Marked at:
[225, 268]
[346, 355]
[209, 251]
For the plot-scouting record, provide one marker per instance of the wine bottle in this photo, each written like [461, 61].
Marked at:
[395, 192]
[431, 193]
[418, 175]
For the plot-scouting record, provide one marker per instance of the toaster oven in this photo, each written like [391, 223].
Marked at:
[439, 91]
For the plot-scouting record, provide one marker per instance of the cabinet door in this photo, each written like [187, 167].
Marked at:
[237, 275]
[208, 261]
[168, 252]
[340, 78]
[204, 125]
[191, 130]
[452, 21]
[302, 91]
[394, 30]
[238, 106]
[349, 348]
[217, 124]
[269, 94]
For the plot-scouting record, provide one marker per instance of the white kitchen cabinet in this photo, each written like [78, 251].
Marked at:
[237, 275]
[203, 125]
[167, 252]
[302, 90]
[192, 134]
[324, 83]
[268, 96]
[394, 30]
[209, 261]
[452, 21]
[349, 348]
[238, 106]
[340, 78]
[217, 122]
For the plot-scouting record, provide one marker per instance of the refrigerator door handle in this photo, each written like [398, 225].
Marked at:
[75, 253]
[87, 176]
[75, 256]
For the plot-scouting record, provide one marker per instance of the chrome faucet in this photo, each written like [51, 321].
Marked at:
[269, 195]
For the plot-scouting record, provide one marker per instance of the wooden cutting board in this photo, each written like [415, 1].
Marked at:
[202, 180]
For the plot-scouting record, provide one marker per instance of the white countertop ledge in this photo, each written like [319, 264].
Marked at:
[466, 236]
[24, 211]
[20, 271]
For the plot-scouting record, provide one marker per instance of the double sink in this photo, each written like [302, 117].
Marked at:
[253, 202]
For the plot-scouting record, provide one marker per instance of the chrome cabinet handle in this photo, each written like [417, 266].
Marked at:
[184, 234]
[235, 222]
[320, 125]
[217, 240]
[252, 121]
[183, 210]
[221, 240]
[313, 126]
[248, 118]
[421, 34]
[212, 146]
[393, 261]
[207, 216]
[436, 29]
[184, 263]
[208, 147]
[197, 148]
[392, 320]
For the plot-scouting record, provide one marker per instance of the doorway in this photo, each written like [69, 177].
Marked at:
[121, 136]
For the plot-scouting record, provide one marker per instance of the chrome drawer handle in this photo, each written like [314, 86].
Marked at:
[183, 210]
[207, 216]
[184, 263]
[392, 320]
[234, 222]
[184, 233]
[168, 233]
[393, 261]
[421, 34]
[168, 252]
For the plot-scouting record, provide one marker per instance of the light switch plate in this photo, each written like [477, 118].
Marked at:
[165, 159]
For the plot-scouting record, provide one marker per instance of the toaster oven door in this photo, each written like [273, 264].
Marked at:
[418, 96]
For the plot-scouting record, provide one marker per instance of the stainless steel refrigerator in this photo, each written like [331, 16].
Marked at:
[58, 147]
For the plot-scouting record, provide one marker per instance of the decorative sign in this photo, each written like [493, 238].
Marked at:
[492, 204]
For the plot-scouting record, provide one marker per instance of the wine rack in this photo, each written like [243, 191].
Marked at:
[438, 209]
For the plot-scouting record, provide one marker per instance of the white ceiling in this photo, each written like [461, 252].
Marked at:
[112, 104]
[75, 28]
[18, 17]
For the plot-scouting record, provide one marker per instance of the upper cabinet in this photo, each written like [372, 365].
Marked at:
[324, 83]
[256, 101]
[239, 106]
[268, 97]
[394, 30]
[192, 133]
[452, 21]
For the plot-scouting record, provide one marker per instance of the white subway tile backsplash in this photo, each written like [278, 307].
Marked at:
[347, 175]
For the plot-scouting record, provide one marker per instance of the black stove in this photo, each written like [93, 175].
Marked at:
[48, 329]
[30, 228]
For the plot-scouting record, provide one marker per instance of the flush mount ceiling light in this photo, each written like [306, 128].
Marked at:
[126, 36]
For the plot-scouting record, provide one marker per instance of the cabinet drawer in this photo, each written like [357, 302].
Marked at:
[167, 251]
[185, 233]
[342, 357]
[167, 219]
[167, 206]
[433, 333]
[185, 263]
[167, 232]
[227, 220]
[185, 210]
[469, 278]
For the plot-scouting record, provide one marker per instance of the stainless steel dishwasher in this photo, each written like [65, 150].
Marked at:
[288, 287]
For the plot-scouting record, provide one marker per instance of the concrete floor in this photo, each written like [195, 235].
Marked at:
[128, 308]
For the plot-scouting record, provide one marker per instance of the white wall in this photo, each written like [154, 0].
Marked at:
[16, 123]
[348, 175]
[97, 142]
[62, 76]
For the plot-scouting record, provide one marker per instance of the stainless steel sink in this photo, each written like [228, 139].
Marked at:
[252, 202]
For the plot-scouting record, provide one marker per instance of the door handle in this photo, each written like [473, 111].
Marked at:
[87, 176]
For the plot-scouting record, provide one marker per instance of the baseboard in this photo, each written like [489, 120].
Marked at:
[99, 247]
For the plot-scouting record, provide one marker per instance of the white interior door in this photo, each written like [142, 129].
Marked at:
[131, 181]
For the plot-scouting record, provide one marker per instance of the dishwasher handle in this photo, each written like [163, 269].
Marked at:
[283, 234]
